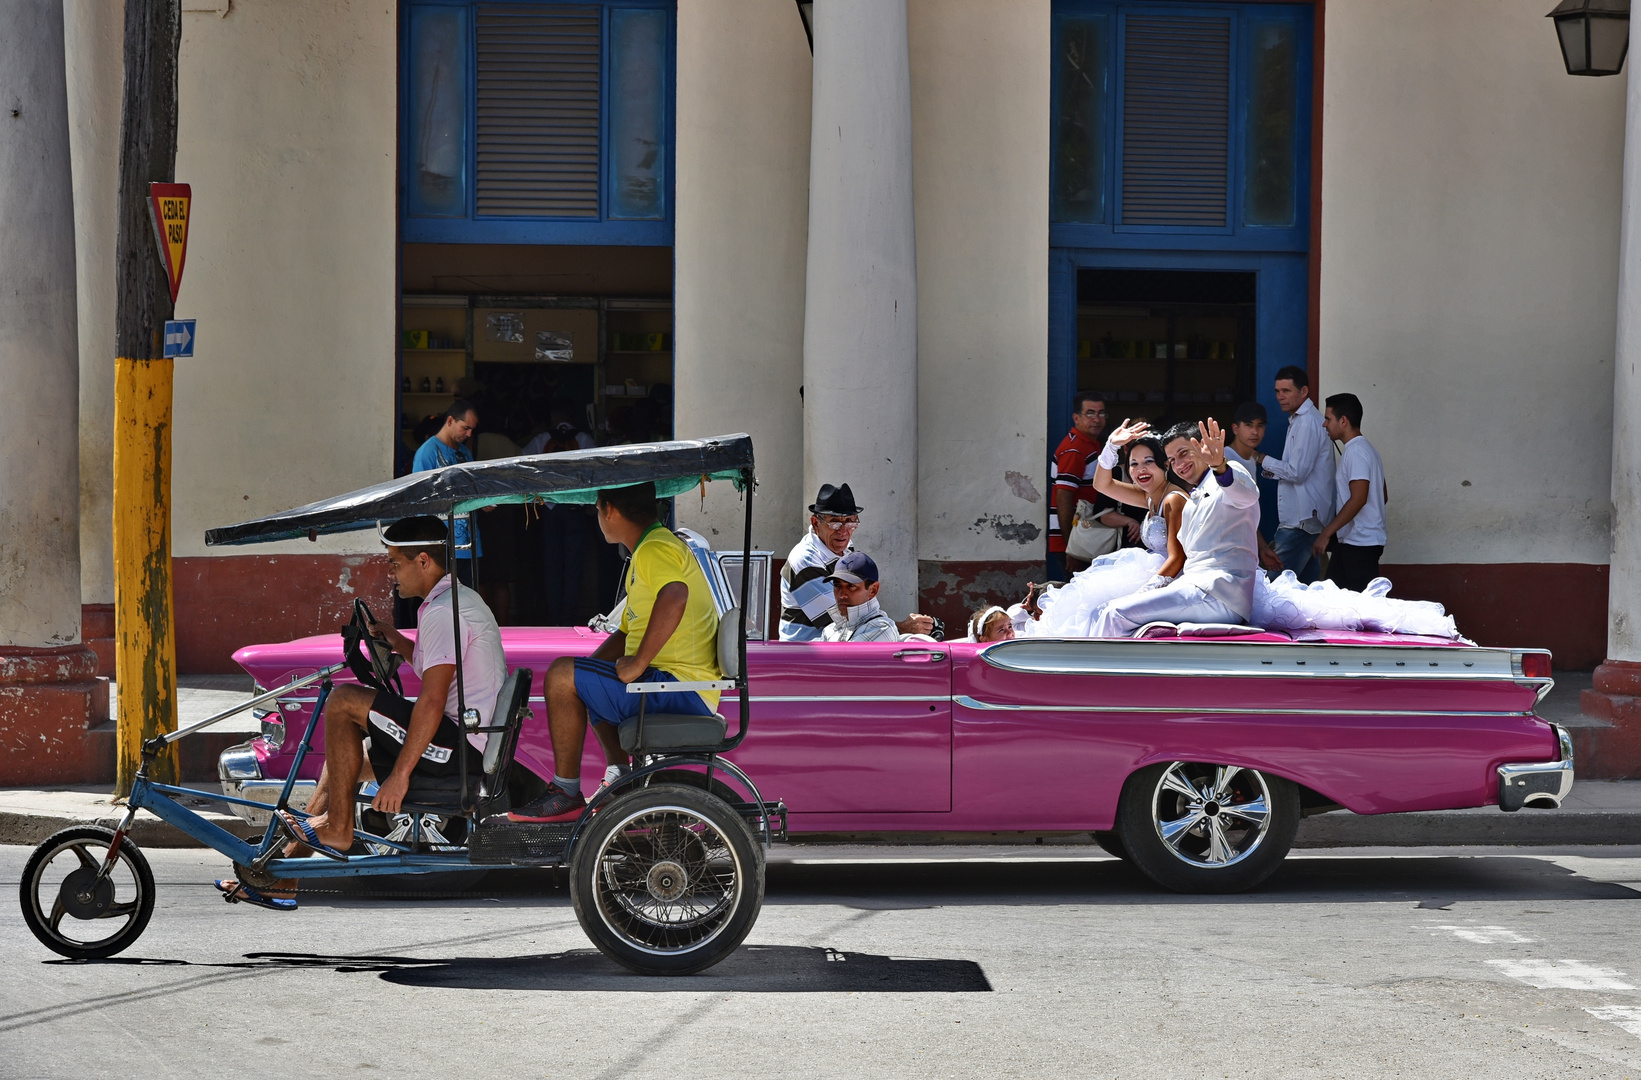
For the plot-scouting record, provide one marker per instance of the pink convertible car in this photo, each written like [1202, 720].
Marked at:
[1192, 757]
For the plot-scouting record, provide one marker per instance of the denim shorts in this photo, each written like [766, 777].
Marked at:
[608, 702]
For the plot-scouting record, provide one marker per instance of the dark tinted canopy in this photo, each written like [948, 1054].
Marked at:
[574, 476]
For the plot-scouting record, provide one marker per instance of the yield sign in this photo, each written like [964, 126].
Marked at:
[170, 205]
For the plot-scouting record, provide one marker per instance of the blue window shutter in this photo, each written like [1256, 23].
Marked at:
[537, 136]
[1176, 121]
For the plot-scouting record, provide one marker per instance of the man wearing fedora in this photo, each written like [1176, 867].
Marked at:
[807, 603]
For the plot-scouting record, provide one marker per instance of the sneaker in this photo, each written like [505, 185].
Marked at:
[555, 805]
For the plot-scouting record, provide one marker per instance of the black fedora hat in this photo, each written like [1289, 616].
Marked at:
[834, 500]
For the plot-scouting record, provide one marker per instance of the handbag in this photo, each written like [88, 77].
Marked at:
[1088, 539]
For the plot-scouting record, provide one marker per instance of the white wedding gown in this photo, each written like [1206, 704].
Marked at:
[1282, 604]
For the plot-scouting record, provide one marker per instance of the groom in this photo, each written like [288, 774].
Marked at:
[1218, 531]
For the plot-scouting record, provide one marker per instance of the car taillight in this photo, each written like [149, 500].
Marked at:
[1535, 665]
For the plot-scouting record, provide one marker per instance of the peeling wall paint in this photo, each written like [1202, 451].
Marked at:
[1007, 527]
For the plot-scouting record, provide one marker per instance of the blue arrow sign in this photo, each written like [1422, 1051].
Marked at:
[179, 337]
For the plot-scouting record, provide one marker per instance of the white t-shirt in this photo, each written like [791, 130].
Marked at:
[484, 668]
[1360, 461]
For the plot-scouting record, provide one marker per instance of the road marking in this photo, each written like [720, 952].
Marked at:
[1486, 935]
[1563, 974]
[1627, 1017]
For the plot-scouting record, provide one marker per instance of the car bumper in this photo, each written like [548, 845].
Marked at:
[240, 770]
[1543, 784]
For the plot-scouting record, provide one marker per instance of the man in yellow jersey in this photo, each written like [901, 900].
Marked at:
[669, 633]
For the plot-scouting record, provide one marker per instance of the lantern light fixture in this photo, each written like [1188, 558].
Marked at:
[1594, 35]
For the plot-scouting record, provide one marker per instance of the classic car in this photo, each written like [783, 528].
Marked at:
[1193, 757]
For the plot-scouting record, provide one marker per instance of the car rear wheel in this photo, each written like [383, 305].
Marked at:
[1197, 827]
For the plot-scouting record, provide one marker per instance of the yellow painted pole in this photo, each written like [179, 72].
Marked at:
[146, 637]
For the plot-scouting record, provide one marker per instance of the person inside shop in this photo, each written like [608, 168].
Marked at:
[449, 446]
[1217, 530]
[1357, 531]
[808, 603]
[855, 585]
[376, 734]
[668, 633]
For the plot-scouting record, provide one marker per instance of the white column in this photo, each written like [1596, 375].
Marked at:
[95, 33]
[860, 314]
[1624, 585]
[743, 206]
[39, 354]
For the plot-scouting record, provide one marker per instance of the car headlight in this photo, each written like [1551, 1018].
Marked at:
[273, 730]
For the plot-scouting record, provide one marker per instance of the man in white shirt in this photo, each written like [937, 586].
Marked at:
[1359, 527]
[407, 738]
[1218, 530]
[1304, 475]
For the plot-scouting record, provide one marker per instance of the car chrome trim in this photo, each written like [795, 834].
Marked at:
[1220, 659]
[1541, 784]
[759, 699]
[1232, 710]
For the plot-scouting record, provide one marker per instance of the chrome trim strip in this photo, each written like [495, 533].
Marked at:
[1217, 658]
[759, 698]
[1217, 710]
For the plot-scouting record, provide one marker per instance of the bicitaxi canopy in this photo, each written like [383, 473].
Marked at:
[575, 476]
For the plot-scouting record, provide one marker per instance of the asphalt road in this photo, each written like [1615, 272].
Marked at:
[908, 962]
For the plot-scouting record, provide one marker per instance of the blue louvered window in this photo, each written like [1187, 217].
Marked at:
[537, 122]
[1172, 117]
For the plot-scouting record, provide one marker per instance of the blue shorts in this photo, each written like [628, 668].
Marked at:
[608, 702]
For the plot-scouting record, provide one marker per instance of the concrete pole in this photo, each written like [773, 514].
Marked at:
[46, 692]
[860, 313]
[1618, 680]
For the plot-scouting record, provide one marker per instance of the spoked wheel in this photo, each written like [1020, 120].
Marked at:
[667, 880]
[74, 914]
[1196, 827]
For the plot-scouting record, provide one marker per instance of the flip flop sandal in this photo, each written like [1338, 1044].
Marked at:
[299, 830]
[237, 892]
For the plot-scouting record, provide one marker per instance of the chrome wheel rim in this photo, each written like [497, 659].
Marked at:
[1211, 816]
[69, 901]
[667, 880]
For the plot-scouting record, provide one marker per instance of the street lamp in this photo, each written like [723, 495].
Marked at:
[806, 12]
[1595, 35]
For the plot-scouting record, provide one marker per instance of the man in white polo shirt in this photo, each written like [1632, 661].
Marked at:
[1359, 481]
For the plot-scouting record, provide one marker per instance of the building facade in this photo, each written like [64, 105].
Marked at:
[892, 274]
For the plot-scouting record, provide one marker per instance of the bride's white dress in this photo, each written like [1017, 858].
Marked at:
[1280, 604]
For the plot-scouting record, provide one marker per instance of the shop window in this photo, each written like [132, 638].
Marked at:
[538, 123]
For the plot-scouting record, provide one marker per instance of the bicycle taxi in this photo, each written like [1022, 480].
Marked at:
[666, 867]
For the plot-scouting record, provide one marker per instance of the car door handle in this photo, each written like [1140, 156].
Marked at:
[919, 656]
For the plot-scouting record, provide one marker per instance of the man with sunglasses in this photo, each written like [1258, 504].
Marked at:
[807, 603]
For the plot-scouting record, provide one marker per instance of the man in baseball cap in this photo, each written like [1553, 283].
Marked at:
[854, 583]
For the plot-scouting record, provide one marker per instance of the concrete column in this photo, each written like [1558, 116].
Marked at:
[94, 32]
[860, 314]
[45, 700]
[743, 207]
[1616, 696]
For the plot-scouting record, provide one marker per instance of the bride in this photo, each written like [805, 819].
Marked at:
[1069, 611]
[1281, 604]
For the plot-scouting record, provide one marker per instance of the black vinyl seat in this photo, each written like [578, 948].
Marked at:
[443, 793]
[655, 733]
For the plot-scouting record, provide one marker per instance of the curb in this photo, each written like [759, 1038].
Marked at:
[1524, 828]
[1465, 828]
[24, 827]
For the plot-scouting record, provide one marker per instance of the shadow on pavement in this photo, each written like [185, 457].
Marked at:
[895, 885]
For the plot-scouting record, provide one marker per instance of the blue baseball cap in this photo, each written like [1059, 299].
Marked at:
[856, 567]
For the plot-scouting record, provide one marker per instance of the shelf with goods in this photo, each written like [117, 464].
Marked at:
[637, 362]
[1165, 362]
[433, 355]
